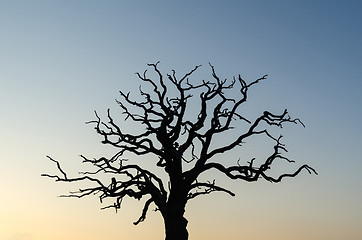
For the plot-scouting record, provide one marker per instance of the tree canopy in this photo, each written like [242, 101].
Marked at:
[179, 120]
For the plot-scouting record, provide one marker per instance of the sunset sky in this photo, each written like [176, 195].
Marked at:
[61, 60]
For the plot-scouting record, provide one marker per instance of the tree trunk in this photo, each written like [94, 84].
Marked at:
[175, 222]
[175, 226]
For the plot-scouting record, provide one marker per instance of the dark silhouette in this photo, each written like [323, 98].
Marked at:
[179, 122]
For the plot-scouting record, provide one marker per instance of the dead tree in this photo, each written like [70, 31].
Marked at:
[181, 121]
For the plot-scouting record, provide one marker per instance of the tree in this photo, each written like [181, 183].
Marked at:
[180, 121]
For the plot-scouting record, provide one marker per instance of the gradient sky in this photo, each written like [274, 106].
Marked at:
[60, 60]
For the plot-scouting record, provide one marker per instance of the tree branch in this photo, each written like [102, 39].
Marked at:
[144, 211]
[207, 188]
[138, 183]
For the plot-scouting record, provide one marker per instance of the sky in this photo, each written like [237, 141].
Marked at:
[61, 60]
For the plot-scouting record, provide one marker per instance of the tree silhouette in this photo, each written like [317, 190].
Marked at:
[180, 122]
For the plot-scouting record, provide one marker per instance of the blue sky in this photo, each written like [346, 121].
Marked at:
[60, 60]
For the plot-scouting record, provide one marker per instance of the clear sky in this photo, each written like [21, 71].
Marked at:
[60, 60]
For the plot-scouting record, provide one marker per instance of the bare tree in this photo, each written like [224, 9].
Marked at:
[181, 121]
